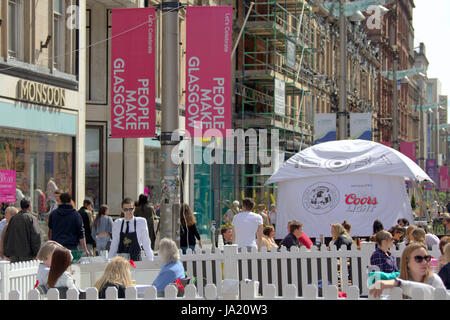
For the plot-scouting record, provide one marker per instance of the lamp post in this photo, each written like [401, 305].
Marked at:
[353, 10]
[170, 199]
[342, 114]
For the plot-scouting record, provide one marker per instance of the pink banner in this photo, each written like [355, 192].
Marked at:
[133, 73]
[443, 178]
[8, 186]
[387, 144]
[208, 70]
[408, 149]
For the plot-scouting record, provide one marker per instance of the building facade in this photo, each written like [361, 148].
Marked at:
[42, 98]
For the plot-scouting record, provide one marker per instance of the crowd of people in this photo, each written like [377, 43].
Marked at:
[130, 238]
[133, 237]
[252, 228]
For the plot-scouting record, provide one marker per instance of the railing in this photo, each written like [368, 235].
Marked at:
[277, 271]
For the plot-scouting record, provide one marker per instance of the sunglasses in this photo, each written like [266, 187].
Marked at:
[419, 259]
[128, 209]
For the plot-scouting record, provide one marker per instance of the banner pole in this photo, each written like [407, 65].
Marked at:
[170, 182]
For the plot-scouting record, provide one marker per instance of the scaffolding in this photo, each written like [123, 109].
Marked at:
[278, 44]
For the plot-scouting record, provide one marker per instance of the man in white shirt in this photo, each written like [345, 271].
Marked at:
[247, 226]
[130, 233]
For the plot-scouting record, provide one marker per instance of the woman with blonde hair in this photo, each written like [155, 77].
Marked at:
[117, 274]
[415, 273]
[172, 268]
[268, 238]
[188, 229]
[340, 236]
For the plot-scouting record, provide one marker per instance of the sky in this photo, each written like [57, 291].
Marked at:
[431, 22]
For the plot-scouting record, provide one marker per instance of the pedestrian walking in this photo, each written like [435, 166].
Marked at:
[9, 213]
[229, 215]
[65, 226]
[247, 226]
[145, 210]
[86, 213]
[102, 229]
[188, 229]
[130, 234]
[22, 237]
[273, 215]
[260, 209]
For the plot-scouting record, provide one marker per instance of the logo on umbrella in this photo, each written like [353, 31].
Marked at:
[320, 198]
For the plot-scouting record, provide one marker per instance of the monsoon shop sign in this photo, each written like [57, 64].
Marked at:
[133, 73]
[208, 70]
[41, 93]
[7, 186]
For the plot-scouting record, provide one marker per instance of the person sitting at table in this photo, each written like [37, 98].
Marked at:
[172, 268]
[340, 236]
[408, 234]
[58, 276]
[45, 256]
[303, 238]
[441, 260]
[268, 239]
[382, 258]
[295, 229]
[444, 273]
[415, 273]
[117, 274]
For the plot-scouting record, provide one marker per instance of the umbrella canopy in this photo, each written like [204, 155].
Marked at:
[348, 157]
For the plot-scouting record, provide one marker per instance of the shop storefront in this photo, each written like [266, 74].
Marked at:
[37, 158]
[38, 130]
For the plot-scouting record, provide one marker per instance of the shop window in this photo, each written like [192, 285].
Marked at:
[58, 34]
[94, 167]
[15, 29]
[153, 174]
[37, 158]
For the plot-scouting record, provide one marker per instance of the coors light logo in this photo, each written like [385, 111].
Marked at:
[360, 203]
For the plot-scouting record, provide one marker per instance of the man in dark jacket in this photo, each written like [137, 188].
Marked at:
[22, 237]
[86, 215]
[65, 225]
[295, 232]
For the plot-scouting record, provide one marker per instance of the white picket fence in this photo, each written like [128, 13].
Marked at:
[248, 291]
[20, 276]
[280, 273]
